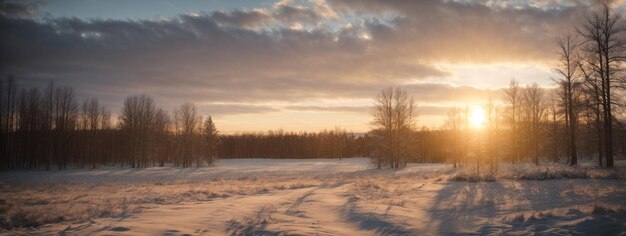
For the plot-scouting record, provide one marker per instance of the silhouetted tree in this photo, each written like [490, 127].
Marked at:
[394, 123]
[603, 31]
[569, 83]
[187, 126]
[455, 124]
[513, 99]
[137, 123]
[534, 115]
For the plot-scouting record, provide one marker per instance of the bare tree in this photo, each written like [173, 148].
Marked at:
[27, 128]
[606, 50]
[534, 110]
[455, 123]
[553, 111]
[91, 121]
[48, 120]
[593, 92]
[8, 109]
[137, 121]
[513, 97]
[493, 122]
[394, 122]
[161, 136]
[569, 82]
[187, 126]
[66, 115]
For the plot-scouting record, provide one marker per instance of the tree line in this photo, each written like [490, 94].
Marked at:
[335, 143]
[49, 128]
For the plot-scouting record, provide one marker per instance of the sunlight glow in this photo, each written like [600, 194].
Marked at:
[478, 118]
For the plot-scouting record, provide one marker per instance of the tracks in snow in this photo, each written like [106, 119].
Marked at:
[324, 210]
[316, 211]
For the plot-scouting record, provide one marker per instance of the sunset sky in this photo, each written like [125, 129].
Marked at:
[295, 65]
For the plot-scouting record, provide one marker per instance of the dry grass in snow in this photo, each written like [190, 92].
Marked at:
[315, 197]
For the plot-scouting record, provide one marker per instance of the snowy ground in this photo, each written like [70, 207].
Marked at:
[313, 197]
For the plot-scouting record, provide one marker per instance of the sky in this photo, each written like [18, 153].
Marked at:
[291, 65]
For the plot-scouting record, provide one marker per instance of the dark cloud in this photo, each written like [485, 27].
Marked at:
[289, 13]
[17, 9]
[193, 55]
[243, 18]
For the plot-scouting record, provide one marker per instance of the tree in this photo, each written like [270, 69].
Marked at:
[137, 123]
[592, 90]
[603, 30]
[534, 110]
[210, 135]
[394, 123]
[163, 147]
[553, 112]
[91, 121]
[47, 127]
[493, 118]
[48, 119]
[28, 127]
[512, 97]
[65, 122]
[187, 124]
[454, 123]
[8, 120]
[569, 84]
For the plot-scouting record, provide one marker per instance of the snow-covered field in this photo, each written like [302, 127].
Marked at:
[313, 197]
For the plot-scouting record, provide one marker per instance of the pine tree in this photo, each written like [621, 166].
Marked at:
[210, 134]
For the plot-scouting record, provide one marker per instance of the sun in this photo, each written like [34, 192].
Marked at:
[477, 117]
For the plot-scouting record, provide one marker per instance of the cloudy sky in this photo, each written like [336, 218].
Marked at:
[295, 65]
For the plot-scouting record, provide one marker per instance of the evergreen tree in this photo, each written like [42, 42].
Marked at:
[210, 134]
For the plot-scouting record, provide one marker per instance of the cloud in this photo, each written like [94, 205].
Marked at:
[357, 109]
[458, 31]
[294, 13]
[344, 50]
[422, 110]
[243, 18]
[234, 109]
[193, 55]
[447, 94]
[17, 9]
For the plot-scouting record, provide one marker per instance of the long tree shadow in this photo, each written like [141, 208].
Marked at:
[373, 221]
[255, 224]
[504, 207]
[458, 204]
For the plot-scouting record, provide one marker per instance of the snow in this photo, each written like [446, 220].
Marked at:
[546, 171]
[223, 169]
[313, 197]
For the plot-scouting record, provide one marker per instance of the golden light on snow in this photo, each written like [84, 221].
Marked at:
[478, 118]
